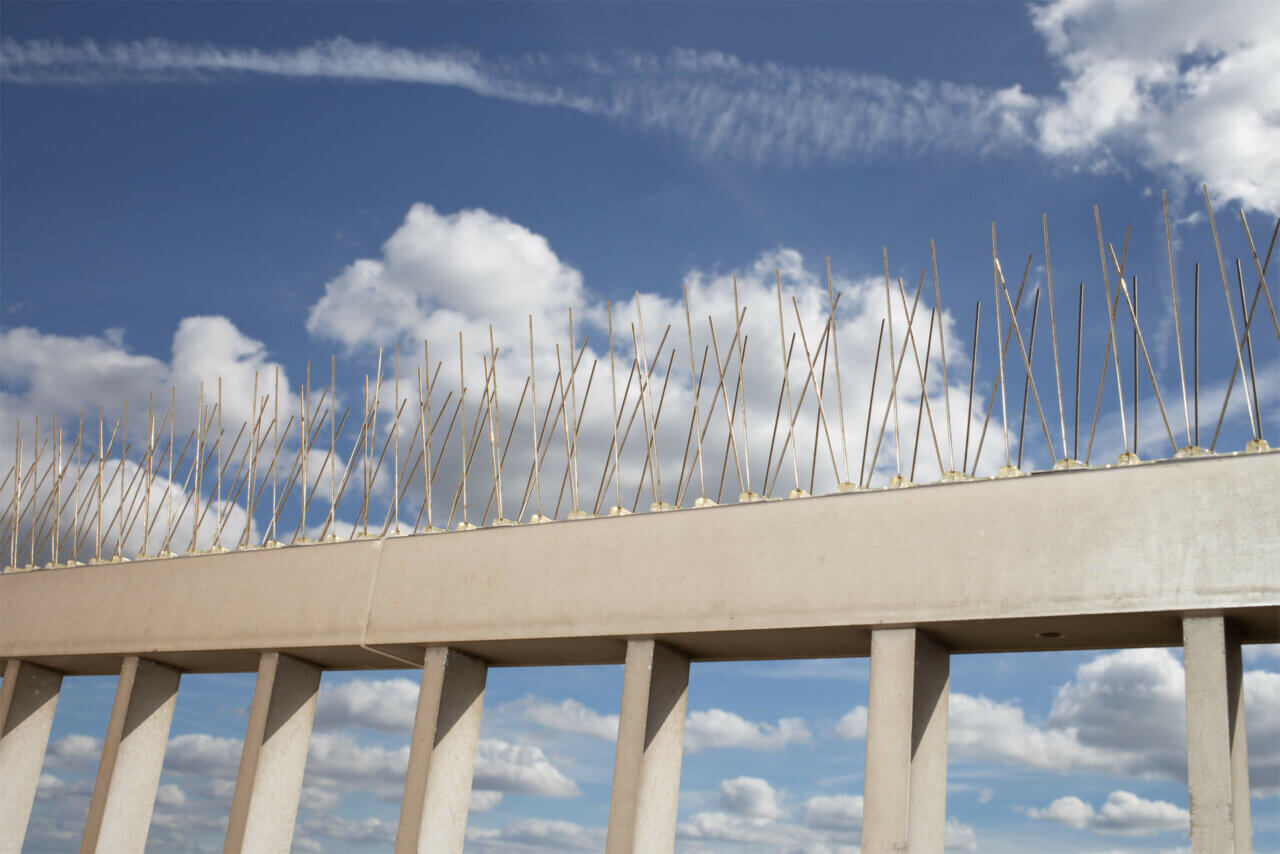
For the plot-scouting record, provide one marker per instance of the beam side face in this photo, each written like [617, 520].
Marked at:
[217, 601]
[1199, 536]
[28, 699]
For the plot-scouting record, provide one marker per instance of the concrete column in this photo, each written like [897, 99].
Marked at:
[646, 767]
[442, 756]
[132, 756]
[27, 700]
[905, 796]
[1217, 755]
[269, 784]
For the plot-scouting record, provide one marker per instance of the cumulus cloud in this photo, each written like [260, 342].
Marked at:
[834, 812]
[439, 271]
[853, 724]
[170, 795]
[536, 834]
[1124, 813]
[426, 282]
[1124, 713]
[43, 374]
[716, 728]
[1190, 87]
[388, 705]
[520, 769]
[751, 796]
[751, 814]
[566, 716]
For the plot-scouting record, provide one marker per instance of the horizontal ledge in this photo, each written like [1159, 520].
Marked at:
[1105, 557]
[1047, 634]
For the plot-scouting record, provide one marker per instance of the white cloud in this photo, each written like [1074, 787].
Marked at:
[1124, 714]
[959, 836]
[714, 102]
[535, 834]
[1124, 813]
[74, 751]
[834, 812]
[751, 797]
[716, 728]
[439, 271]
[1190, 91]
[519, 769]
[853, 725]
[170, 795]
[46, 373]
[1194, 88]
[484, 800]
[566, 716]
[388, 705]
[203, 755]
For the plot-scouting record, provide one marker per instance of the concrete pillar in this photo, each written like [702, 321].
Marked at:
[646, 767]
[905, 788]
[269, 784]
[1217, 755]
[132, 756]
[442, 756]
[27, 700]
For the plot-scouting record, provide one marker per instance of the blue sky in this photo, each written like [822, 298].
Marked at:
[190, 191]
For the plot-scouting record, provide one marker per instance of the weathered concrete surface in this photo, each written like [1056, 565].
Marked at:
[124, 792]
[269, 784]
[646, 766]
[28, 698]
[1217, 756]
[905, 786]
[1108, 558]
[442, 755]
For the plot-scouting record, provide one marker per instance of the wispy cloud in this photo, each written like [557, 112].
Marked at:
[1144, 83]
[716, 103]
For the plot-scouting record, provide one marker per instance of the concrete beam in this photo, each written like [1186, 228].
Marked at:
[905, 786]
[1217, 754]
[442, 755]
[1199, 537]
[269, 784]
[646, 767]
[28, 698]
[124, 792]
